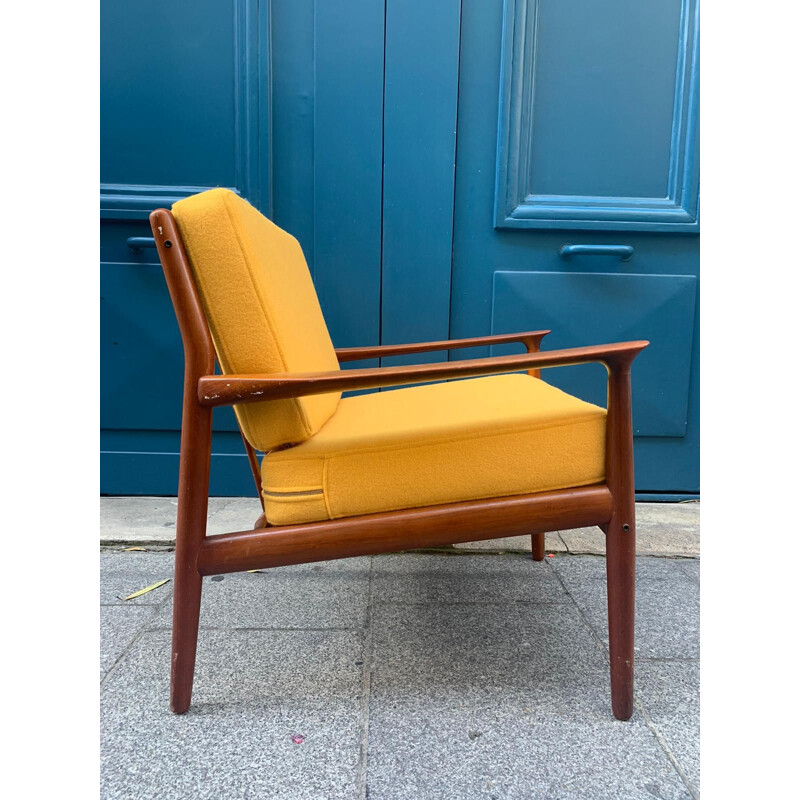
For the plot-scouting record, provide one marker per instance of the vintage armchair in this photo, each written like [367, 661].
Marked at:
[500, 454]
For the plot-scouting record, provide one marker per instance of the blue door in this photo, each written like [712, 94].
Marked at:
[433, 159]
[281, 102]
[576, 200]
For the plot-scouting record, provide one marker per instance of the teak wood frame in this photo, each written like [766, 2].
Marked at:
[609, 505]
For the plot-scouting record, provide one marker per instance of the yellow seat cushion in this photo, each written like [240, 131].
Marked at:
[261, 308]
[437, 443]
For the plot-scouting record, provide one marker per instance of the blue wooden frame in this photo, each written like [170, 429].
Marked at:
[252, 123]
[516, 206]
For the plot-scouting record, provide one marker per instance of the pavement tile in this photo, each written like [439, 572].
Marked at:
[254, 690]
[457, 578]
[691, 568]
[454, 648]
[670, 694]
[485, 681]
[122, 574]
[424, 752]
[504, 702]
[576, 570]
[118, 628]
[326, 594]
[667, 604]
[134, 519]
[654, 543]
[664, 529]
[232, 514]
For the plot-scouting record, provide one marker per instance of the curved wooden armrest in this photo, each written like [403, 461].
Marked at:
[531, 340]
[222, 390]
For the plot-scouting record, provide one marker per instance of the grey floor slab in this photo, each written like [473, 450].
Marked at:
[123, 574]
[504, 702]
[410, 676]
[428, 753]
[430, 578]
[667, 603]
[119, 626]
[328, 594]
[455, 649]
[670, 695]
[691, 568]
[254, 691]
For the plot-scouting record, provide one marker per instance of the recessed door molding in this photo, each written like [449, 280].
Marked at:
[251, 121]
[517, 203]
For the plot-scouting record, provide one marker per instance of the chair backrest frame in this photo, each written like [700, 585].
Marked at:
[198, 346]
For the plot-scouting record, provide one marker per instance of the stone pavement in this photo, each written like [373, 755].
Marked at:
[419, 675]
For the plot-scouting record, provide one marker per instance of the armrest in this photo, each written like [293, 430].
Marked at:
[222, 390]
[531, 340]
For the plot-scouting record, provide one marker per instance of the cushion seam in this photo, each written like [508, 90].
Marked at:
[429, 443]
[325, 494]
[551, 488]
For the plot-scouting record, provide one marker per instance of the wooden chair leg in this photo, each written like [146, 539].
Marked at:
[537, 546]
[190, 531]
[185, 623]
[621, 541]
[195, 464]
[621, 581]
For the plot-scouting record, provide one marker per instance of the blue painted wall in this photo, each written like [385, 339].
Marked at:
[432, 159]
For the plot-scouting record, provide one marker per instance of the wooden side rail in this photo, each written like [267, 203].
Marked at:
[433, 526]
[531, 339]
[223, 390]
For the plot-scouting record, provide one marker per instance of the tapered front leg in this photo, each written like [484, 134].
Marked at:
[537, 546]
[621, 540]
[621, 581]
[185, 624]
[189, 534]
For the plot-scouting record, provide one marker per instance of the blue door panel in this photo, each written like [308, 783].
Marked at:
[598, 125]
[230, 474]
[421, 99]
[292, 142]
[604, 97]
[141, 352]
[168, 92]
[584, 308]
[139, 348]
[348, 135]
[509, 276]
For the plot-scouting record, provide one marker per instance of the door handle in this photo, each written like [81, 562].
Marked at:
[136, 243]
[624, 251]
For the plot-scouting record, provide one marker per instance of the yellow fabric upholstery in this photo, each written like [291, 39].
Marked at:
[261, 307]
[437, 443]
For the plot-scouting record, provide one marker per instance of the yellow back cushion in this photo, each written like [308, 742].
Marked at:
[261, 307]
